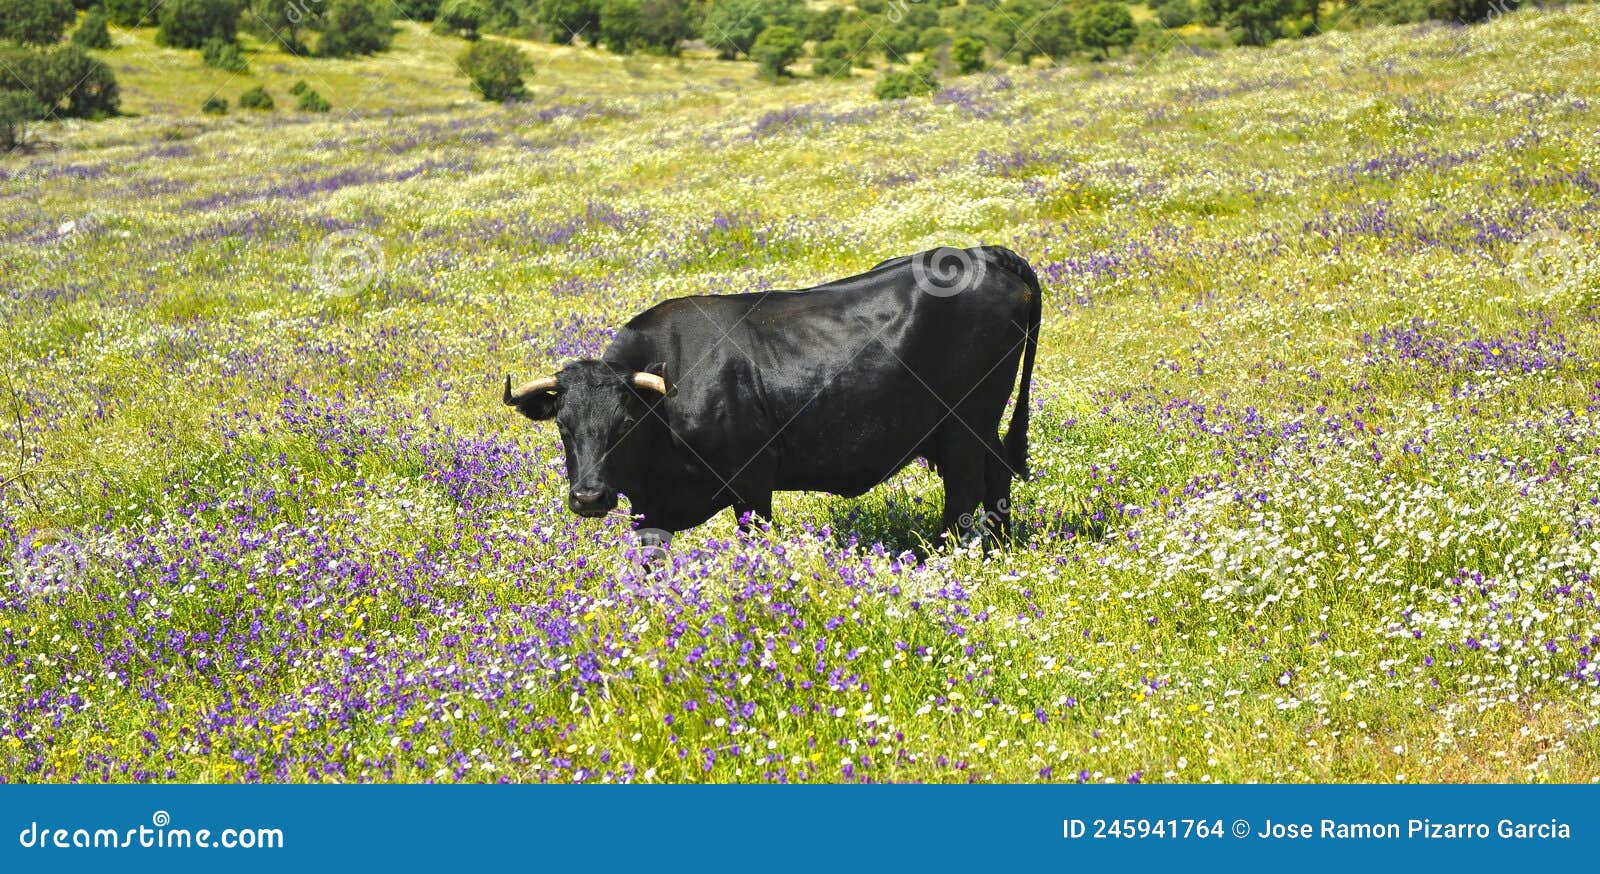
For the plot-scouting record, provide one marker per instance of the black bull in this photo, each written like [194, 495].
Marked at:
[707, 402]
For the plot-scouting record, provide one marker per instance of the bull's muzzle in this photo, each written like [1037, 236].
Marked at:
[591, 502]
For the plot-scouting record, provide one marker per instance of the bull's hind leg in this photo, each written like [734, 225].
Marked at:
[961, 467]
[996, 491]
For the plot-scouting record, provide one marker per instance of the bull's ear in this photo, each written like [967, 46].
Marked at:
[660, 369]
[538, 404]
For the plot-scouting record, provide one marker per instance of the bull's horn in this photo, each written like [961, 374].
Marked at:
[543, 383]
[650, 381]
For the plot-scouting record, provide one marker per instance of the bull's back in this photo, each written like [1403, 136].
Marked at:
[836, 387]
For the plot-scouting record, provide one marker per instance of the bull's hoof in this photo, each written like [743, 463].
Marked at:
[653, 544]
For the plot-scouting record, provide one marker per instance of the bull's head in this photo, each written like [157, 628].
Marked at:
[608, 417]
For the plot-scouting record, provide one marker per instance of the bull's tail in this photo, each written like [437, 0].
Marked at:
[1016, 442]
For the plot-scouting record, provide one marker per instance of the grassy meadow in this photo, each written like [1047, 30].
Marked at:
[1316, 450]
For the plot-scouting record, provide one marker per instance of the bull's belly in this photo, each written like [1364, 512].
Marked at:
[849, 470]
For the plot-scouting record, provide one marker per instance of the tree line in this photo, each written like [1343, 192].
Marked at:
[45, 73]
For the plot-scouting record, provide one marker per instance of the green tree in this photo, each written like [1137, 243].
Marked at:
[932, 38]
[619, 24]
[1008, 28]
[567, 20]
[1175, 13]
[215, 105]
[732, 26]
[91, 33]
[187, 24]
[821, 27]
[1467, 11]
[133, 13]
[459, 18]
[967, 53]
[355, 27]
[64, 80]
[280, 22]
[857, 34]
[1106, 26]
[664, 24]
[35, 22]
[775, 49]
[496, 70]
[420, 10]
[1252, 22]
[833, 60]
[1054, 32]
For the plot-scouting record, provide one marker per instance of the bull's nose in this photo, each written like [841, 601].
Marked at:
[587, 497]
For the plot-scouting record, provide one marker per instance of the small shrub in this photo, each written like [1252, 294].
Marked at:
[256, 98]
[91, 32]
[311, 101]
[967, 53]
[921, 79]
[224, 56]
[496, 70]
[299, 87]
[17, 109]
[215, 105]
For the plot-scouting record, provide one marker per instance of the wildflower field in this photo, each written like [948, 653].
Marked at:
[1316, 451]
